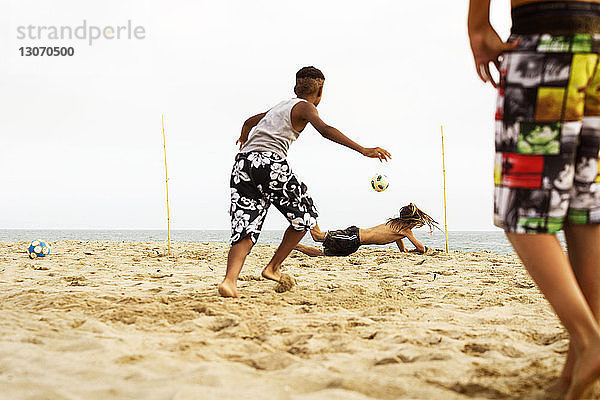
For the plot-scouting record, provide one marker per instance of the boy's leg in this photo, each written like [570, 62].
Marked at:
[549, 267]
[289, 195]
[248, 211]
[316, 234]
[309, 251]
[291, 238]
[584, 254]
[235, 262]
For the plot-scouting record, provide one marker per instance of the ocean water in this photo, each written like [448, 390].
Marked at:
[494, 241]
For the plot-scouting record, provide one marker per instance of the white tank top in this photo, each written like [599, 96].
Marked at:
[275, 131]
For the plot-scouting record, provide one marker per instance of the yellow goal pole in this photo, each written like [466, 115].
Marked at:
[166, 183]
[444, 174]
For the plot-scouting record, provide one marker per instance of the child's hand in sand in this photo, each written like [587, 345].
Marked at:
[425, 250]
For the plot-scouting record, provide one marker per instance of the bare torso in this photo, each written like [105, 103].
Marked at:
[516, 3]
[380, 234]
[384, 234]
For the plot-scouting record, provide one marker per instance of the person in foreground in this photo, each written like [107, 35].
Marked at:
[546, 171]
[347, 241]
[261, 176]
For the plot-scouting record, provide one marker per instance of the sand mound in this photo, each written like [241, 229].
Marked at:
[285, 284]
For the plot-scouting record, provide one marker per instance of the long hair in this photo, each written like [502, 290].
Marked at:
[411, 217]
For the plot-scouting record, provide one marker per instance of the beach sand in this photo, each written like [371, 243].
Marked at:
[122, 320]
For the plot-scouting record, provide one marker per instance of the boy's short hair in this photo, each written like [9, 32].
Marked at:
[308, 81]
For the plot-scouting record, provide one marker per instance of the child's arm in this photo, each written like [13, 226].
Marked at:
[401, 247]
[247, 127]
[308, 112]
[418, 245]
[486, 45]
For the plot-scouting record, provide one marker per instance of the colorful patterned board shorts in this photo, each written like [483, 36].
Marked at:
[548, 123]
[259, 179]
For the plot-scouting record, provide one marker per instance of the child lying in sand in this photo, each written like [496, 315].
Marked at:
[347, 241]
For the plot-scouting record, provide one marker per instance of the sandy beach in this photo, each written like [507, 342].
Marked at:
[124, 320]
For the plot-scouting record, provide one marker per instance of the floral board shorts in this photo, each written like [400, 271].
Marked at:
[259, 179]
[547, 128]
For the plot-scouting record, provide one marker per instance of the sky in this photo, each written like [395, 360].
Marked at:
[81, 138]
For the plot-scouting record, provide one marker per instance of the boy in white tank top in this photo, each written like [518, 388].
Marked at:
[261, 176]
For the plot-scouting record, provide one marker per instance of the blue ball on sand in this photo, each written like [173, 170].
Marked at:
[37, 248]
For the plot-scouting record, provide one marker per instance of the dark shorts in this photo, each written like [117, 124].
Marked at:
[547, 128]
[341, 243]
[259, 179]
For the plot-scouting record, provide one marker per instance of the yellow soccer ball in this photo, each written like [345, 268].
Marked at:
[379, 183]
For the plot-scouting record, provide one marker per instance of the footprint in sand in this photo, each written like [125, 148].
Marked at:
[286, 282]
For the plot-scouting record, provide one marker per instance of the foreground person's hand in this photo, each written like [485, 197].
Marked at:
[486, 45]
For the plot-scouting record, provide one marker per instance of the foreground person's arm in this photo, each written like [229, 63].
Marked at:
[486, 45]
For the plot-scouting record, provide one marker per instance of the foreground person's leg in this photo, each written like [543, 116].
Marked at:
[583, 242]
[549, 267]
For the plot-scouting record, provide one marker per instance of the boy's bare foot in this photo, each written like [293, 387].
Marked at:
[314, 234]
[317, 234]
[228, 290]
[585, 372]
[271, 273]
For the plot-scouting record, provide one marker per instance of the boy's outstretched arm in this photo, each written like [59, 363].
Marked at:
[308, 112]
[247, 127]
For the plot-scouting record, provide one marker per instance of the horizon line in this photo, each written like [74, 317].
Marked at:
[194, 229]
